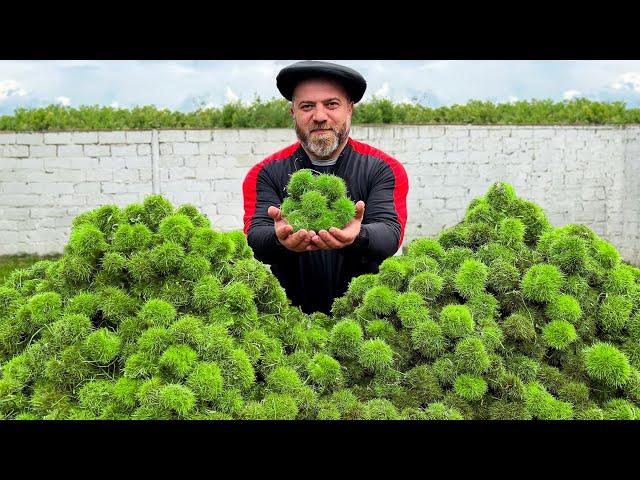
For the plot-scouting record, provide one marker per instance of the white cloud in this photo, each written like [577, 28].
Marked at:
[64, 101]
[182, 69]
[513, 99]
[114, 105]
[437, 66]
[384, 91]
[571, 94]
[9, 88]
[628, 81]
[231, 95]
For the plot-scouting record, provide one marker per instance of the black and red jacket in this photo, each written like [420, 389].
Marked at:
[314, 279]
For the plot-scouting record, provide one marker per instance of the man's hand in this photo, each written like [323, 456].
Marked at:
[336, 237]
[296, 242]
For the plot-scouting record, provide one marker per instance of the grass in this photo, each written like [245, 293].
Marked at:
[8, 263]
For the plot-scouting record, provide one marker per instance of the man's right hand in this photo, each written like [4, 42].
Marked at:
[296, 242]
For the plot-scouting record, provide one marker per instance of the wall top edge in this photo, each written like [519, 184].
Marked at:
[361, 125]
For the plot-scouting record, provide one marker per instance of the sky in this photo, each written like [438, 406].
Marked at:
[186, 85]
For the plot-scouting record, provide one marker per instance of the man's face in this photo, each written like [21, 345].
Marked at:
[322, 116]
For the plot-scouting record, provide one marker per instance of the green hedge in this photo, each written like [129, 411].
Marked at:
[275, 113]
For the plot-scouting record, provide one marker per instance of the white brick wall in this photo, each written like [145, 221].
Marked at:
[587, 175]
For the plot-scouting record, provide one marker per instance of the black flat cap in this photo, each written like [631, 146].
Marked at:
[291, 75]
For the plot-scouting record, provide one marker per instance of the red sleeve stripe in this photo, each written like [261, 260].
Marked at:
[402, 182]
[249, 185]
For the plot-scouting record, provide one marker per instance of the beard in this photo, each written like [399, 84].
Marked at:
[323, 145]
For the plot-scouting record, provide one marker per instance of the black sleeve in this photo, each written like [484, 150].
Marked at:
[382, 226]
[261, 235]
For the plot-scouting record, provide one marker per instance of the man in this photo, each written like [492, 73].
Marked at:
[315, 267]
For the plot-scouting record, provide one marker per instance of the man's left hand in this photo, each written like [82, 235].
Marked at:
[336, 237]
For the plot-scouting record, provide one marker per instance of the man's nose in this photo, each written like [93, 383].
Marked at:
[319, 114]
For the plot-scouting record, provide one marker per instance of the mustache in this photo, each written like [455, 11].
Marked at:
[323, 128]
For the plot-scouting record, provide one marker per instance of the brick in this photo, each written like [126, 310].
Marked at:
[193, 161]
[198, 135]
[216, 148]
[84, 138]
[246, 161]
[252, 134]
[97, 150]
[51, 164]
[138, 137]
[223, 161]
[15, 151]
[430, 131]
[138, 162]
[278, 135]
[65, 222]
[510, 144]
[144, 150]
[144, 188]
[29, 138]
[266, 148]
[166, 149]
[21, 163]
[234, 173]
[210, 173]
[57, 187]
[171, 136]
[113, 187]
[44, 234]
[216, 197]
[225, 136]
[112, 163]
[39, 223]
[360, 133]
[13, 213]
[478, 132]
[227, 186]
[406, 131]
[70, 151]
[57, 138]
[85, 163]
[19, 200]
[120, 199]
[543, 132]
[123, 150]
[12, 238]
[125, 175]
[229, 222]
[111, 137]
[8, 225]
[6, 138]
[183, 148]
[13, 187]
[145, 175]
[180, 173]
[99, 175]
[232, 148]
[87, 187]
[380, 132]
[39, 151]
[457, 131]
[444, 144]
